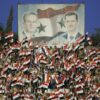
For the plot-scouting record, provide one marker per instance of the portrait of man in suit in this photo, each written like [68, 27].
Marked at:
[71, 21]
[29, 25]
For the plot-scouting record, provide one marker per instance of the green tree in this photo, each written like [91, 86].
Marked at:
[96, 37]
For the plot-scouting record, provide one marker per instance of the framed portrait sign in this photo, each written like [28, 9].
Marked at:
[51, 23]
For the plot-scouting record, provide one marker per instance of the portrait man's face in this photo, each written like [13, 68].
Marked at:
[30, 23]
[71, 23]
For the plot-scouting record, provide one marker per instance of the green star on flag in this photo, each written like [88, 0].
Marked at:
[61, 23]
[41, 28]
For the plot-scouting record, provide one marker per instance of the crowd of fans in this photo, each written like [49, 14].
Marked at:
[29, 71]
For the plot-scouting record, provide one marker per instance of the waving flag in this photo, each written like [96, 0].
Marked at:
[17, 83]
[28, 96]
[46, 50]
[52, 96]
[79, 90]
[22, 53]
[16, 96]
[15, 46]
[26, 61]
[9, 35]
[44, 85]
[80, 39]
[91, 52]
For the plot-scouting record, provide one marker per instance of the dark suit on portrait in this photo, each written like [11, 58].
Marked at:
[63, 37]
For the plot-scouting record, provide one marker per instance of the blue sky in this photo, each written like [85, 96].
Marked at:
[92, 15]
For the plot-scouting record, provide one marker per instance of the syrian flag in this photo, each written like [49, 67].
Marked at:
[9, 52]
[79, 84]
[5, 44]
[16, 96]
[44, 85]
[43, 61]
[51, 67]
[15, 47]
[27, 53]
[55, 53]
[60, 95]
[97, 60]
[76, 46]
[24, 41]
[26, 61]
[46, 50]
[52, 96]
[18, 78]
[35, 80]
[91, 67]
[3, 75]
[17, 83]
[5, 69]
[9, 35]
[28, 97]
[80, 39]
[24, 68]
[79, 90]
[21, 53]
[60, 84]
[91, 52]
[81, 63]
